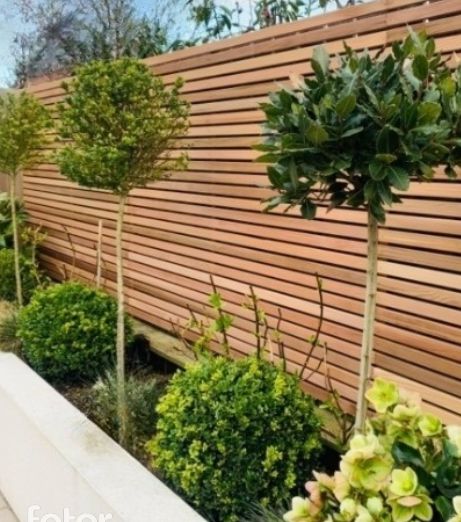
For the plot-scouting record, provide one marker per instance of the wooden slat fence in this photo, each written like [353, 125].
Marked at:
[208, 220]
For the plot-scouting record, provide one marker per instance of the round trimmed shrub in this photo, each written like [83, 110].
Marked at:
[234, 433]
[8, 280]
[69, 331]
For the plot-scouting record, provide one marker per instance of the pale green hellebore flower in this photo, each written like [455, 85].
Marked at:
[363, 515]
[375, 505]
[430, 425]
[382, 395]
[348, 509]
[407, 504]
[454, 435]
[299, 511]
[457, 508]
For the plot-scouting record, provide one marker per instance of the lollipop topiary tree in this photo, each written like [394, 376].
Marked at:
[357, 135]
[24, 123]
[121, 123]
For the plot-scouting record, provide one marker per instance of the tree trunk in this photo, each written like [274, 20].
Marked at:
[369, 322]
[14, 222]
[121, 393]
[99, 255]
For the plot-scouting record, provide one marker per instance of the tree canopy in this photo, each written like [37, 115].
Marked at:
[356, 135]
[123, 123]
[23, 125]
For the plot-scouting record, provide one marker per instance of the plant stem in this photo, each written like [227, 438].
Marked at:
[369, 322]
[14, 222]
[121, 392]
[99, 255]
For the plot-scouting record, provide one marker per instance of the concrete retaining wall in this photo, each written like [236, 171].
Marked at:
[52, 457]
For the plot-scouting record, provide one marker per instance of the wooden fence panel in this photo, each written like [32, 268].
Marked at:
[208, 220]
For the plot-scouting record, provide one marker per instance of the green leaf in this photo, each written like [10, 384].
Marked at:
[406, 455]
[448, 86]
[351, 132]
[346, 105]
[429, 112]
[377, 170]
[398, 177]
[385, 193]
[316, 134]
[308, 209]
[386, 158]
[215, 300]
[444, 507]
[420, 67]
[322, 58]
[293, 171]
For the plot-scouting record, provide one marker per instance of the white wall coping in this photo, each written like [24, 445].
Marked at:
[52, 456]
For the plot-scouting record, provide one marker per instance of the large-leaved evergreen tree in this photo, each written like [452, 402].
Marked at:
[357, 135]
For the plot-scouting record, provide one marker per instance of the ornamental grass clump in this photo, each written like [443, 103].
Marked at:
[234, 433]
[405, 467]
[356, 135]
[68, 332]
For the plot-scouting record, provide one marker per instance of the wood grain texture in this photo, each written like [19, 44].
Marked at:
[208, 220]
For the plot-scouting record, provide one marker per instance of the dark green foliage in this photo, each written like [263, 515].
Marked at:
[29, 276]
[142, 394]
[234, 433]
[123, 123]
[356, 136]
[68, 332]
[6, 225]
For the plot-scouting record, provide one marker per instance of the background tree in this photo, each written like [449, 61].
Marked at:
[124, 124]
[61, 34]
[357, 135]
[217, 19]
[24, 123]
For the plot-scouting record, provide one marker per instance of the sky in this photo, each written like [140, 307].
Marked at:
[9, 25]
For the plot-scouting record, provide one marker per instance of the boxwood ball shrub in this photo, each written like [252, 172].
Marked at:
[7, 277]
[68, 332]
[234, 433]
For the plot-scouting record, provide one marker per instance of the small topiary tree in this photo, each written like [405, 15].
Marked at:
[123, 123]
[24, 123]
[357, 135]
[68, 332]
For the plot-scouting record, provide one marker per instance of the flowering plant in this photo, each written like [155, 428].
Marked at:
[405, 467]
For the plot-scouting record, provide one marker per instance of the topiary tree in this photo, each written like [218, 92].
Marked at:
[123, 123]
[24, 123]
[356, 136]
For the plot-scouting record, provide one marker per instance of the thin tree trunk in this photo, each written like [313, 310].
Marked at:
[121, 392]
[99, 255]
[14, 222]
[366, 357]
